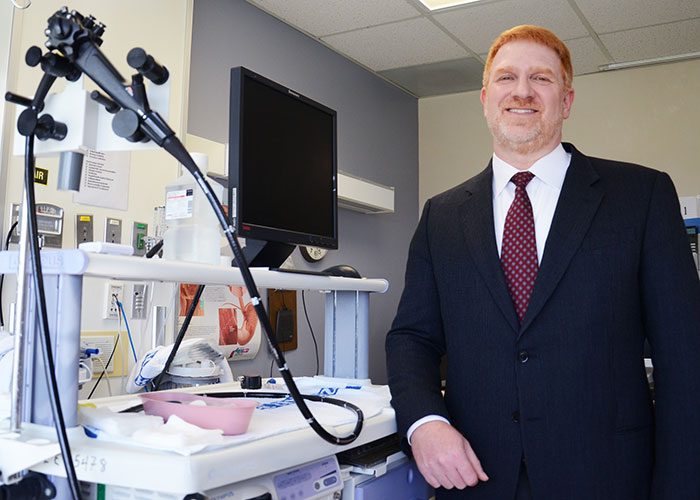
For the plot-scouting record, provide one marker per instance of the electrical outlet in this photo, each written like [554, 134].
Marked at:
[104, 341]
[83, 228]
[113, 230]
[111, 309]
[105, 344]
[138, 301]
[138, 237]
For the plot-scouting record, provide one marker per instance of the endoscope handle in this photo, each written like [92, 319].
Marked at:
[77, 39]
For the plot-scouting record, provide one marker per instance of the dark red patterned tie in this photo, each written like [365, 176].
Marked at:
[518, 248]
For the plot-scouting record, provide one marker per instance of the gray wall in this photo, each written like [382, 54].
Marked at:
[377, 140]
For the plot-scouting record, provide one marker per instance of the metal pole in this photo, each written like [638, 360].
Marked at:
[18, 329]
[159, 314]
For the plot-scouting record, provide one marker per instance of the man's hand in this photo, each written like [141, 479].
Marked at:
[445, 457]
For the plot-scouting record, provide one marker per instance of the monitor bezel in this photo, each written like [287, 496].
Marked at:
[244, 228]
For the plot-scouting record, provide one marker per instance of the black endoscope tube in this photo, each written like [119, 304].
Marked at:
[181, 335]
[270, 395]
[153, 251]
[173, 145]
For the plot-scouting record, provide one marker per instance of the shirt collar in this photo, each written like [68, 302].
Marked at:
[550, 169]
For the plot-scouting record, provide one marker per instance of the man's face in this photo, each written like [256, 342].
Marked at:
[524, 100]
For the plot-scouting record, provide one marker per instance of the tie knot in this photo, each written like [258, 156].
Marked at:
[521, 179]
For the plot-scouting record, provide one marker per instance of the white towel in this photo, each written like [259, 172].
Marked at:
[139, 429]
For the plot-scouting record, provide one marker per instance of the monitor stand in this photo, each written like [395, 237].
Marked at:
[260, 253]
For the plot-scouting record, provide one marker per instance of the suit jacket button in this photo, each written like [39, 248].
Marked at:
[523, 356]
[516, 417]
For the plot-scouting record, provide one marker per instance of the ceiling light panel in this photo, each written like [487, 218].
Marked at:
[479, 25]
[443, 4]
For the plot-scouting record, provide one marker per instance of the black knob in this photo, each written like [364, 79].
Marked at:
[18, 99]
[147, 66]
[33, 56]
[98, 30]
[89, 22]
[60, 27]
[60, 67]
[126, 124]
[48, 128]
[27, 122]
[109, 104]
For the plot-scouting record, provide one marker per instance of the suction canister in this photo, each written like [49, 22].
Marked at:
[193, 233]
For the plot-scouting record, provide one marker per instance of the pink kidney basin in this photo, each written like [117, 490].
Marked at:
[232, 415]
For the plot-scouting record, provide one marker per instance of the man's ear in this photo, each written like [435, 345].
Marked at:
[568, 102]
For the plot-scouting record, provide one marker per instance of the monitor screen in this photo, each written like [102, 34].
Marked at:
[282, 164]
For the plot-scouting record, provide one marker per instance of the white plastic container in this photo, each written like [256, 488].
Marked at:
[193, 233]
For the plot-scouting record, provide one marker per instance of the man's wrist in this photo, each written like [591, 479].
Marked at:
[421, 421]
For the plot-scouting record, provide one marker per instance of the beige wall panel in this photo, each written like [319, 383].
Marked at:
[647, 115]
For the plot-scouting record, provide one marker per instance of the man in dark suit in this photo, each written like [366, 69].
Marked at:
[543, 328]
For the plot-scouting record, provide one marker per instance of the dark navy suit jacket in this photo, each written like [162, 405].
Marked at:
[567, 388]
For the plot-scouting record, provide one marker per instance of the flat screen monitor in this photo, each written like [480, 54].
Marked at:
[282, 169]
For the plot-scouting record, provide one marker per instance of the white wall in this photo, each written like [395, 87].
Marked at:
[6, 18]
[647, 115]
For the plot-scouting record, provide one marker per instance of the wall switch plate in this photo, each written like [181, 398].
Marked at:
[111, 309]
[83, 228]
[138, 301]
[113, 230]
[138, 237]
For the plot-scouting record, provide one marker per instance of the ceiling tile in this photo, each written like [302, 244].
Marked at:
[404, 43]
[586, 56]
[478, 25]
[654, 41]
[606, 16]
[324, 17]
[446, 77]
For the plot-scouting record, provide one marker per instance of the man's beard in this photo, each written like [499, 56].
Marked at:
[523, 140]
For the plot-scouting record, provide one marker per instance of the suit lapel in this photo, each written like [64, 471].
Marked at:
[577, 205]
[476, 213]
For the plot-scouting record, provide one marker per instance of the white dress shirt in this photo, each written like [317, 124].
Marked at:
[543, 191]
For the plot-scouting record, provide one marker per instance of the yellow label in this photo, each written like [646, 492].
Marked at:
[84, 218]
[41, 175]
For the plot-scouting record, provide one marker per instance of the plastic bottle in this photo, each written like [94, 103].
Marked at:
[193, 233]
